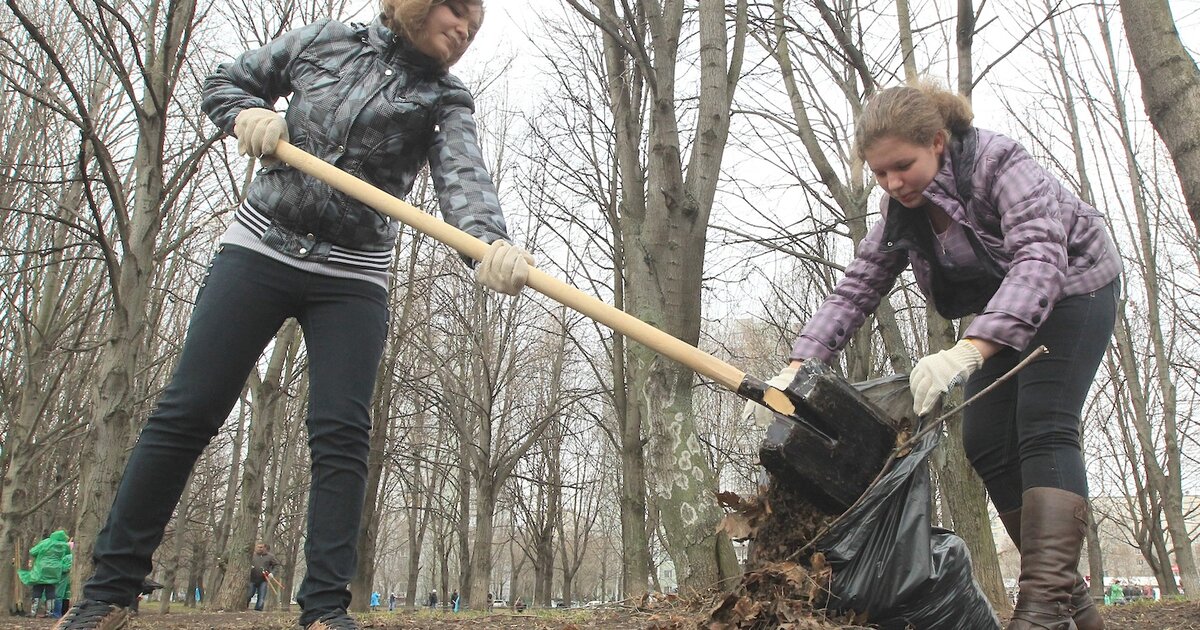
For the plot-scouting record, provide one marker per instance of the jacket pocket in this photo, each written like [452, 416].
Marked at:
[314, 75]
[409, 114]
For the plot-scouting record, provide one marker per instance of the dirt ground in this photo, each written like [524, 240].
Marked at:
[1141, 616]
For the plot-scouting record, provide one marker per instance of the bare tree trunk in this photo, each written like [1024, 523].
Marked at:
[554, 515]
[462, 516]
[385, 395]
[962, 490]
[117, 391]
[20, 451]
[964, 493]
[443, 560]
[368, 538]
[269, 404]
[907, 51]
[1142, 517]
[1167, 482]
[225, 524]
[474, 590]
[663, 224]
[287, 451]
[418, 514]
[1094, 549]
[1170, 89]
[625, 89]
[849, 194]
[173, 567]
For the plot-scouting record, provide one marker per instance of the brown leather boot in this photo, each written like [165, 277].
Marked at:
[1052, 530]
[1087, 614]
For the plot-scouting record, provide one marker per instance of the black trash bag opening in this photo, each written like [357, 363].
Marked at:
[889, 562]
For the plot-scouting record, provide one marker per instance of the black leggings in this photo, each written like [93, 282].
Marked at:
[1026, 433]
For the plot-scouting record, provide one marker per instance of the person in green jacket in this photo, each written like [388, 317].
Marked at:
[63, 590]
[1116, 593]
[46, 569]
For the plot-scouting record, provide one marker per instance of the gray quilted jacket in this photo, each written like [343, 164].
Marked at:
[362, 99]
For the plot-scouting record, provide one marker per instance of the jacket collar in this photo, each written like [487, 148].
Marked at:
[905, 228]
[954, 176]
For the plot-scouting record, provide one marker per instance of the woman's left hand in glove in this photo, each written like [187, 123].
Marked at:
[935, 374]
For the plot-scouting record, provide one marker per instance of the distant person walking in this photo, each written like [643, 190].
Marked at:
[262, 565]
[63, 590]
[46, 561]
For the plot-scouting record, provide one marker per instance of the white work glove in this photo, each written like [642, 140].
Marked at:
[258, 132]
[761, 415]
[504, 268]
[937, 373]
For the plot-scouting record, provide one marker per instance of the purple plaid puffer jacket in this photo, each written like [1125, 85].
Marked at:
[1036, 243]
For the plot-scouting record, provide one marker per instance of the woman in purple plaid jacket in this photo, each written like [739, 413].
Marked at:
[375, 100]
[989, 232]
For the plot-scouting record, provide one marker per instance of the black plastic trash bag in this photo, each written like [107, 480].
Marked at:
[887, 560]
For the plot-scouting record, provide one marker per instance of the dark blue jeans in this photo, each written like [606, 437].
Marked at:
[1026, 433]
[259, 589]
[241, 305]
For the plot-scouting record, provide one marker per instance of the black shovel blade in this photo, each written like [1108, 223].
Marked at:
[835, 444]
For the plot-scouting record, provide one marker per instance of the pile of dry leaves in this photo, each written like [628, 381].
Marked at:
[786, 584]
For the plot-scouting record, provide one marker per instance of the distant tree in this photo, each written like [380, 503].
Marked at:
[662, 221]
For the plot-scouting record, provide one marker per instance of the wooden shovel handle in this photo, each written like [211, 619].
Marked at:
[671, 347]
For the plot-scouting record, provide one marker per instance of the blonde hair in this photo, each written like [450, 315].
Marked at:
[407, 17]
[915, 114]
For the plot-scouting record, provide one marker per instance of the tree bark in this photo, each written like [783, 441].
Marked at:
[174, 565]
[1094, 549]
[116, 391]
[268, 407]
[368, 538]
[1170, 89]
[1168, 482]
[54, 311]
[663, 227]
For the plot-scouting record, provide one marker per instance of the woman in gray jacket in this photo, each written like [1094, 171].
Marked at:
[988, 231]
[374, 100]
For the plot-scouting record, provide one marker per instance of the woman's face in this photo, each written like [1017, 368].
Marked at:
[449, 30]
[903, 169]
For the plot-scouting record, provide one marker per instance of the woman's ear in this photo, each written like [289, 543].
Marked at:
[939, 142]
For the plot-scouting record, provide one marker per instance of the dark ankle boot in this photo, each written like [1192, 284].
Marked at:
[1087, 614]
[1052, 530]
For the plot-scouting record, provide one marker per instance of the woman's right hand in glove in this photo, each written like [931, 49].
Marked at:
[259, 131]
